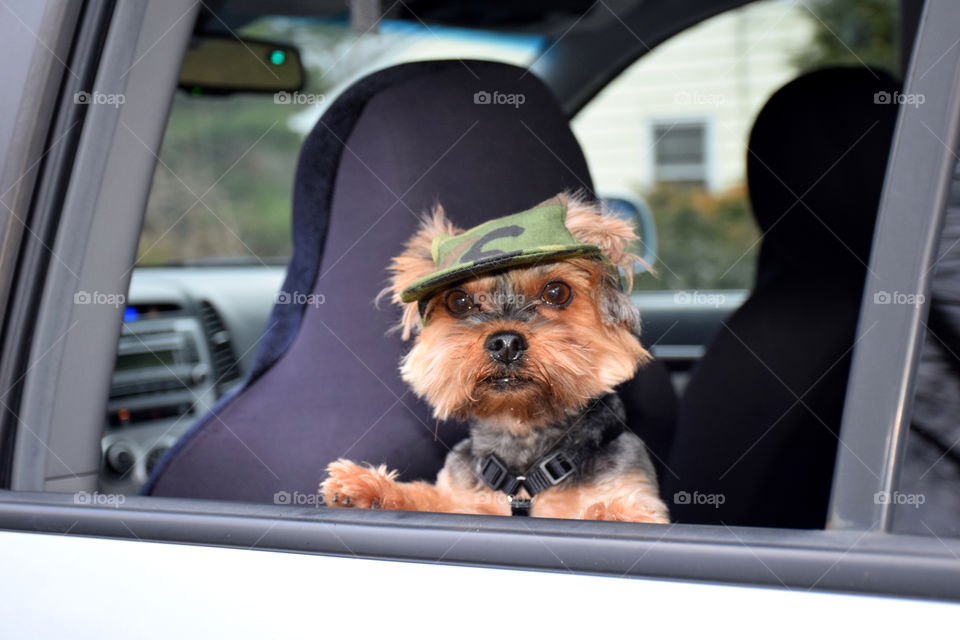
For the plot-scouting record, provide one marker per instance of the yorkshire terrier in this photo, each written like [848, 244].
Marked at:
[523, 331]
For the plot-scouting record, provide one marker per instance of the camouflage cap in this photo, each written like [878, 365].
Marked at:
[531, 236]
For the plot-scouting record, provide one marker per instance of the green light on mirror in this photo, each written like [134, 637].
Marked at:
[277, 57]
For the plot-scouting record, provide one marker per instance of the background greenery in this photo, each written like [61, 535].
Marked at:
[704, 240]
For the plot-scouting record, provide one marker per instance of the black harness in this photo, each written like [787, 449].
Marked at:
[548, 471]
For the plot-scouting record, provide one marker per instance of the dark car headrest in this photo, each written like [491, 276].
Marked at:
[817, 140]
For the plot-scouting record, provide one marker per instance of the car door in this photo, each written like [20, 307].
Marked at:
[80, 562]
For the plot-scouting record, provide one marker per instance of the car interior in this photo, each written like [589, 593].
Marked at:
[305, 139]
[226, 389]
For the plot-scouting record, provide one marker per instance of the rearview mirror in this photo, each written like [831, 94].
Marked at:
[225, 64]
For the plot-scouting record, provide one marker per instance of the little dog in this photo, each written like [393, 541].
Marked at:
[523, 331]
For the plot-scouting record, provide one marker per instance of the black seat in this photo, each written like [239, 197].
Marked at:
[757, 425]
[325, 383]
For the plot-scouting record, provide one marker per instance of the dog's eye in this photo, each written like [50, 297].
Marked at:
[459, 302]
[556, 293]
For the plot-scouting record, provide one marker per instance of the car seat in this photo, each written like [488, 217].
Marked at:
[325, 382]
[757, 425]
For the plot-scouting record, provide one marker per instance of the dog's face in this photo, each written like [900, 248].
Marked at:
[525, 346]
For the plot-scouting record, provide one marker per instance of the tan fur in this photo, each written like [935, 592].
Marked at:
[587, 222]
[573, 356]
[626, 498]
[414, 263]
[367, 487]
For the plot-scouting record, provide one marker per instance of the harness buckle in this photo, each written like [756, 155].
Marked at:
[519, 507]
[557, 467]
[494, 472]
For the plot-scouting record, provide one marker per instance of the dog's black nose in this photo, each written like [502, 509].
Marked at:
[505, 346]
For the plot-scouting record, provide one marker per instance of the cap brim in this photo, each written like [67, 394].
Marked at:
[432, 284]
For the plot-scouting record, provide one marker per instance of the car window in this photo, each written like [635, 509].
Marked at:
[222, 188]
[221, 194]
[667, 136]
[672, 129]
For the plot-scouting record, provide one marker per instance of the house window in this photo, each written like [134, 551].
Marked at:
[680, 153]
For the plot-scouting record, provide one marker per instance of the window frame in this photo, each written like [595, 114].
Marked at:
[855, 555]
[889, 337]
[826, 561]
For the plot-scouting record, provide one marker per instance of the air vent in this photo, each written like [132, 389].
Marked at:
[225, 366]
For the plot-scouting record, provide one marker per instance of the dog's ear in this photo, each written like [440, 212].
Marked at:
[615, 303]
[414, 263]
[589, 223]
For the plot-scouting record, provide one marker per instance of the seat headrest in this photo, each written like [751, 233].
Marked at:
[483, 138]
[824, 139]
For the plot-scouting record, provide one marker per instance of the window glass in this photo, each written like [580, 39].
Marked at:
[222, 189]
[672, 129]
[669, 133]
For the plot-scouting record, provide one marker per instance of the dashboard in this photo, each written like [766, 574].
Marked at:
[189, 335]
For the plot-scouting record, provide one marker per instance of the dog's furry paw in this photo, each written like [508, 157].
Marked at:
[364, 487]
[621, 510]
